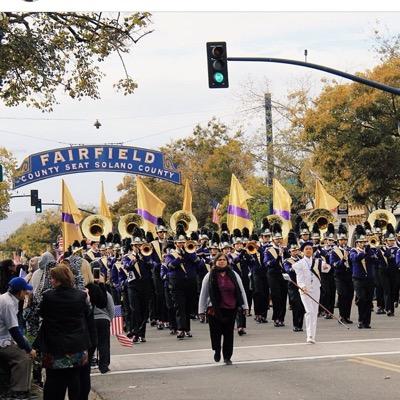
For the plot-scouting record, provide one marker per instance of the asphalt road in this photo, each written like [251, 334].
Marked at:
[269, 363]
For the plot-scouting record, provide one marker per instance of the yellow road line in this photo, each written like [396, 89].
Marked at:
[376, 363]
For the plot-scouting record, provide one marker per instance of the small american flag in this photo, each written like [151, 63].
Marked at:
[215, 211]
[117, 328]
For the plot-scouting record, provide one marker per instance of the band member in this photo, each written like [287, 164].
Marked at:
[340, 261]
[214, 246]
[391, 289]
[308, 275]
[226, 246]
[304, 232]
[328, 289]
[363, 278]
[139, 279]
[258, 283]
[159, 245]
[182, 271]
[241, 266]
[273, 260]
[294, 295]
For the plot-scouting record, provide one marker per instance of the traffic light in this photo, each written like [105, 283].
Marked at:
[38, 206]
[217, 65]
[1, 173]
[34, 197]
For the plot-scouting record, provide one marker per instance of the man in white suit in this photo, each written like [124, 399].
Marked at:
[308, 275]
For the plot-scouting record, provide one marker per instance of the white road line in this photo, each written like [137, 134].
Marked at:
[266, 361]
[255, 347]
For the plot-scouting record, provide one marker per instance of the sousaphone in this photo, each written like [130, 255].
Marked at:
[384, 217]
[128, 223]
[322, 217]
[188, 220]
[96, 225]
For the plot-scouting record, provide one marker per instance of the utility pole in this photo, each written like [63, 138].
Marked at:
[270, 143]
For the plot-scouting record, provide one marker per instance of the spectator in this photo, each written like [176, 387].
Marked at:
[8, 270]
[14, 348]
[64, 337]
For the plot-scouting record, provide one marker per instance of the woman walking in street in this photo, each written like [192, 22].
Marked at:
[222, 296]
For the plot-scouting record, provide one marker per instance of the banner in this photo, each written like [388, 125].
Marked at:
[93, 158]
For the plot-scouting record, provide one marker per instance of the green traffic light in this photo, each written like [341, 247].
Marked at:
[218, 77]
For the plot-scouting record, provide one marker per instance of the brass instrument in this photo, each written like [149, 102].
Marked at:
[251, 248]
[128, 223]
[190, 246]
[384, 217]
[322, 217]
[188, 220]
[146, 249]
[96, 225]
[374, 241]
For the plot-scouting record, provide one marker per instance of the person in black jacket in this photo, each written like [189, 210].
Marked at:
[64, 337]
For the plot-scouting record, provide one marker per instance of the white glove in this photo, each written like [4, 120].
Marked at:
[286, 277]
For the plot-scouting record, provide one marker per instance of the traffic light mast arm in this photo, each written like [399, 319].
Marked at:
[333, 71]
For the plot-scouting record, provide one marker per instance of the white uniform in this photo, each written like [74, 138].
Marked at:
[312, 283]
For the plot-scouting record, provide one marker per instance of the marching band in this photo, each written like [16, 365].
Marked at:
[159, 279]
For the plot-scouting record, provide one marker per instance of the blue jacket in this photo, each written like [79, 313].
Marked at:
[361, 265]
[185, 267]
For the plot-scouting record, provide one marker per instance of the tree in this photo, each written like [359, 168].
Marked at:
[355, 134]
[42, 52]
[207, 157]
[34, 238]
[9, 164]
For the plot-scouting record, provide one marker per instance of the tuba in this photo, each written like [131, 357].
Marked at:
[188, 220]
[322, 217]
[384, 217]
[95, 226]
[128, 223]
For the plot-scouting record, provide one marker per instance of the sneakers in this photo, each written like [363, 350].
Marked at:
[142, 339]
[180, 335]
[188, 334]
[310, 340]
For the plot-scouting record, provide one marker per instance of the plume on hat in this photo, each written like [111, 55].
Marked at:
[265, 224]
[292, 238]
[194, 236]
[246, 232]
[110, 238]
[224, 227]
[315, 228]
[360, 230]
[117, 238]
[215, 238]
[390, 229]
[331, 229]
[149, 237]
[276, 228]
[225, 237]
[342, 229]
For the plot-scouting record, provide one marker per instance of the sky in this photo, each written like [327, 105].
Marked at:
[169, 66]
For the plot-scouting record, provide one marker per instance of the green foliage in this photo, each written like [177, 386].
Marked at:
[9, 166]
[42, 52]
[34, 238]
[207, 157]
[354, 131]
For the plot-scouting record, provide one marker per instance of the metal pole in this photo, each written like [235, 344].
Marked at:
[269, 142]
[355, 78]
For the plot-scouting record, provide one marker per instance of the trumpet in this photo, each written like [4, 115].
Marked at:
[251, 248]
[190, 246]
[146, 249]
[374, 241]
